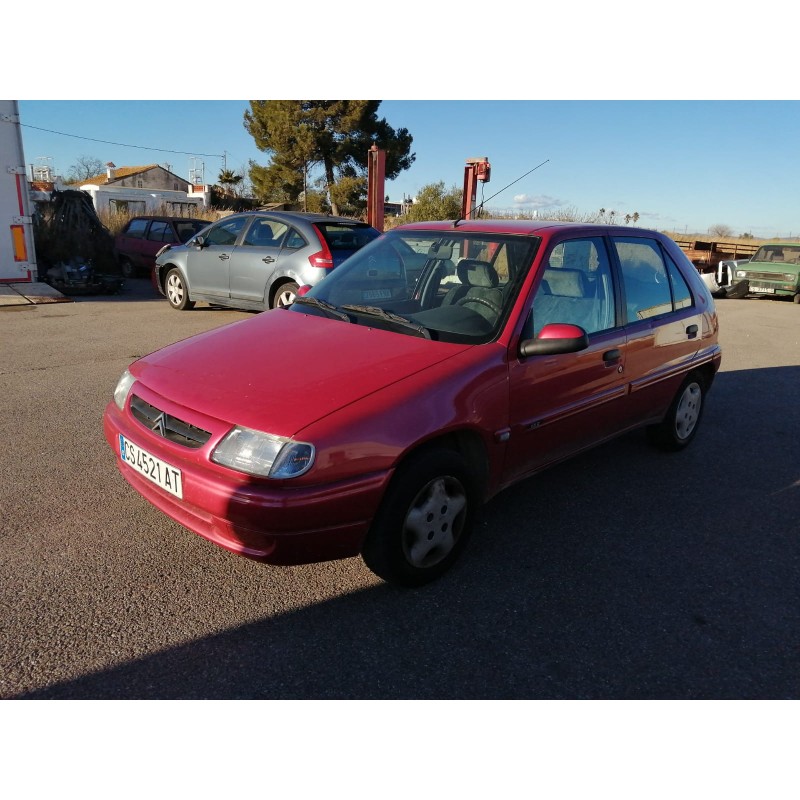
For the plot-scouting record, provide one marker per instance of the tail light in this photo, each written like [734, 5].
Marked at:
[322, 259]
[303, 290]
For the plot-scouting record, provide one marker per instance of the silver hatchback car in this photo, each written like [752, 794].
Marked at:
[258, 259]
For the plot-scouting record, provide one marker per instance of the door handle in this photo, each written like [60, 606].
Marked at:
[268, 259]
[691, 331]
[610, 356]
[224, 256]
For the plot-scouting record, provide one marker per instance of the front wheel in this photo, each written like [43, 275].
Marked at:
[680, 425]
[177, 293]
[424, 520]
[285, 295]
[796, 298]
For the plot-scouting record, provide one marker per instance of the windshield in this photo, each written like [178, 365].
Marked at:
[443, 285]
[785, 254]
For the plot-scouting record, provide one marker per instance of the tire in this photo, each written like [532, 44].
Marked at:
[284, 295]
[127, 269]
[424, 520]
[681, 422]
[796, 298]
[177, 293]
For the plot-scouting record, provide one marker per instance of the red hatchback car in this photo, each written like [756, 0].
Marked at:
[438, 365]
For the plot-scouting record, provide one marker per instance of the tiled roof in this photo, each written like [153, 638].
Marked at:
[119, 172]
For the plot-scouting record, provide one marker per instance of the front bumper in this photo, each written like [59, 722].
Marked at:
[276, 524]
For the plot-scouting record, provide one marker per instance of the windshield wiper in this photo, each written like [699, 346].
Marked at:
[326, 308]
[388, 316]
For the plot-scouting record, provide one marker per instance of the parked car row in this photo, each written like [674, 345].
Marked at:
[437, 365]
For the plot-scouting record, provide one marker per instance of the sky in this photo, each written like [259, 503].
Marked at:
[681, 165]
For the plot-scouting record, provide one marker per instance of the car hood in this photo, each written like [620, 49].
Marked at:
[281, 370]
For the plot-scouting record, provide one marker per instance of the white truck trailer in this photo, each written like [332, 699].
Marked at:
[17, 254]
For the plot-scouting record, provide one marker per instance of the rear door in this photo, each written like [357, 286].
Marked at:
[564, 403]
[159, 233]
[663, 325]
[256, 258]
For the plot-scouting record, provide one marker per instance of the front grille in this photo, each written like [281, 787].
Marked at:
[769, 276]
[171, 428]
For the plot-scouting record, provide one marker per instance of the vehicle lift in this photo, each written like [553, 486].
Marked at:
[476, 170]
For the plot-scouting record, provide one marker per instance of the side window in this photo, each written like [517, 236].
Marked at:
[227, 231]
[265, 233]
[294, 240]
[644, 278]
[576, 287]
[136, 228]
[681, 296]
[157, 231]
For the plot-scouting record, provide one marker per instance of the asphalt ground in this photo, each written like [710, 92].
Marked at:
[622, 574]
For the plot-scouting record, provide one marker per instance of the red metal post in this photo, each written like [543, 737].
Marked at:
[476, 169]
[376, 179]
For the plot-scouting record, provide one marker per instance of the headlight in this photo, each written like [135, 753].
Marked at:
[123, 387]
[263, 454]
[741, 273]
[789, 276]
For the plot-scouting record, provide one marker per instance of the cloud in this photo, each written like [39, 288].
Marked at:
[537, 201]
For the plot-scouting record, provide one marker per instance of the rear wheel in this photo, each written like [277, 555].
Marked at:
[177, 293]
[680, 425]
[424, 520]
[126, 268]
[285, 294]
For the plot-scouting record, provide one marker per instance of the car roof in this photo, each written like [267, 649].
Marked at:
[162, 218]
[307, 216]
[528, 227]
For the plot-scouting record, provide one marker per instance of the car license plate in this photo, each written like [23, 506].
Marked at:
[154, 469]
[762, 289]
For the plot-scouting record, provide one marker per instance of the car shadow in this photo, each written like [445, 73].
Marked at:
[142, 290]
[624, 573]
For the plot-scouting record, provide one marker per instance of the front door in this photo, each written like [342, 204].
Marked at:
[564, 403]
[209, 265]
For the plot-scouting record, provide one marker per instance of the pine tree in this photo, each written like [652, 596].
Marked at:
[333, 136]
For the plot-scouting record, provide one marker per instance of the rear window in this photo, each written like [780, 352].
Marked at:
[347, 237]
[186, 230]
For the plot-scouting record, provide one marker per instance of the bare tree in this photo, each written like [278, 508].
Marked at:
[720, 231]
[84, 168]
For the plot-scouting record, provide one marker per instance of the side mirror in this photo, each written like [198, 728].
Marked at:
[555, 339]
[199, 241]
